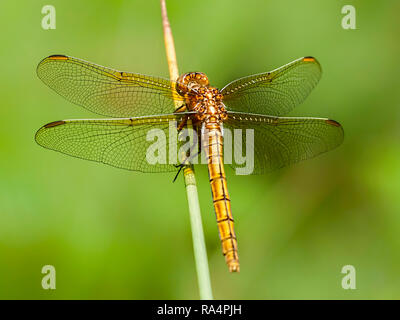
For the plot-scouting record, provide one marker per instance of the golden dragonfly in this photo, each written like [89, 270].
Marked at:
[139, 103]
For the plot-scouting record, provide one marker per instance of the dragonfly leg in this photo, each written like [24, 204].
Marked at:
[186, 161]
[182, 124]
[182, 108]
[180, 166]
[183, 164]
[191, 156]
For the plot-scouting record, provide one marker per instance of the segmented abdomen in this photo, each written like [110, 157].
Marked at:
[213, 146]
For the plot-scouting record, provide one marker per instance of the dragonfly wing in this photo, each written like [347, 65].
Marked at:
[139, 144]
[273, 93]
[279, 142]
[106, 91]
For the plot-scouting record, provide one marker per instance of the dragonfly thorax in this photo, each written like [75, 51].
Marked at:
[200, 97]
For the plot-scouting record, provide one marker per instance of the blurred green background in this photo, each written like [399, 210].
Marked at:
[101, 227]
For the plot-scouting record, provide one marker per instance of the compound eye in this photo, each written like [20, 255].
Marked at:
[204, 79]
[180, 89]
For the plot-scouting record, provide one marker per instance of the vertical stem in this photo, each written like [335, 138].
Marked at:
[199, 246]
[169, 44]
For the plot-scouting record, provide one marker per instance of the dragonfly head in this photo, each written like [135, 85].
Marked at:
[190, 83]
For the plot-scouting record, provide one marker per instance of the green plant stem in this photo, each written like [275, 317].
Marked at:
[199, 246]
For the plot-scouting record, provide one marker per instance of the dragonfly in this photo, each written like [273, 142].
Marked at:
[137, 103]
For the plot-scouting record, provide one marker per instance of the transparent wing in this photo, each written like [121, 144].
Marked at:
[273, 93]
[279, 142]
[106, 91]
[121, 143]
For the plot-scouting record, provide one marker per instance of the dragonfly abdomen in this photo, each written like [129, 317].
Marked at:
[213, 146]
